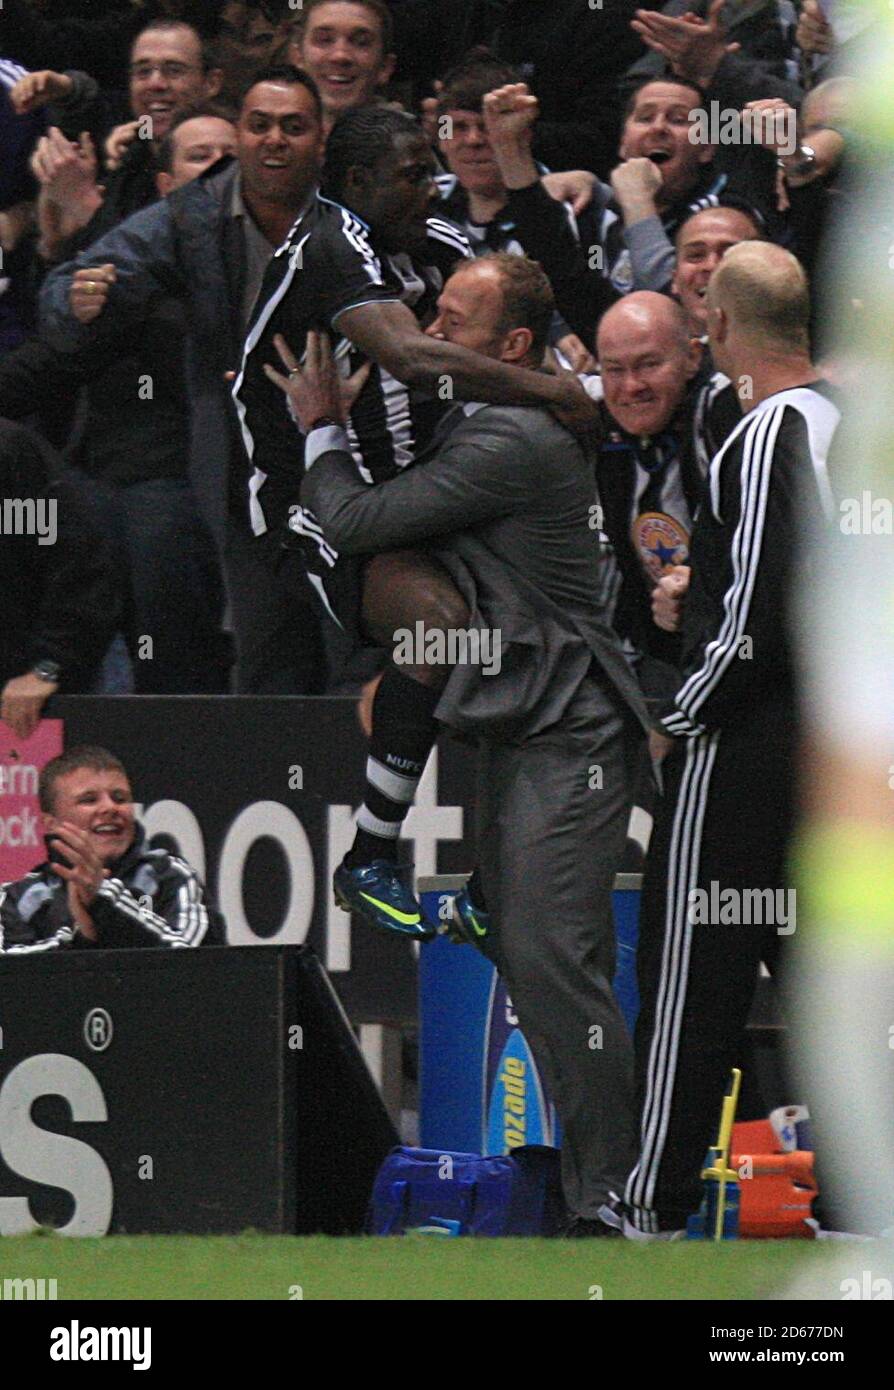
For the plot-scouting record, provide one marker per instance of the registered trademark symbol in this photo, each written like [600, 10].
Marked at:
[98, 1030]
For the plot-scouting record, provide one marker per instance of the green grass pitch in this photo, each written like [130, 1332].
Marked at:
[255, 1266]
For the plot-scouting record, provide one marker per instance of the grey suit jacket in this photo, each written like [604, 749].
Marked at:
[506, 505]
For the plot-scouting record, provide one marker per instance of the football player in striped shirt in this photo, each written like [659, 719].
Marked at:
[365, 262]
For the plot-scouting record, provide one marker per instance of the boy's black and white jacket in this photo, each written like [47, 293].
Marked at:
[151, 898]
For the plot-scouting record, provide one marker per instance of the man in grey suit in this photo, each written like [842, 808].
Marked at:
[507, 505]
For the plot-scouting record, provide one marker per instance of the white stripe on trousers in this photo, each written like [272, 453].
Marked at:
[683, 868]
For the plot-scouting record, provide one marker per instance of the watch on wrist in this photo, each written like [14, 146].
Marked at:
[48, 671]
[324, 421]
[804, 162]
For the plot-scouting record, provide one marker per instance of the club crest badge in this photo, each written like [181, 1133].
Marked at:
[660, 542]
[622, 273]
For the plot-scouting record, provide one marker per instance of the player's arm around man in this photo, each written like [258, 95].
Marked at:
[466, 484]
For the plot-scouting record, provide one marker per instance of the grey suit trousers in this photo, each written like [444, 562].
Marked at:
[553, 813]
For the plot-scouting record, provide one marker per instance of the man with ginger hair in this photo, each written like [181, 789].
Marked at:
[716, 901]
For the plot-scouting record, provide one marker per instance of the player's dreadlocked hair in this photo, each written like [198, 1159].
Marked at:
[362, 137]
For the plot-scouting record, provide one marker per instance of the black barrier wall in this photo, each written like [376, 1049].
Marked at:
[206, 1091]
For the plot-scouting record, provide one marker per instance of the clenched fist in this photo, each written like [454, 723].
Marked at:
[668, 598]
[90, 292]
[636, 183]
[509, 114]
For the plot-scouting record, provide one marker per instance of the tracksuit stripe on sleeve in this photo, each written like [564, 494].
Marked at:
[118, 895]
[746, 552]
[197, 914]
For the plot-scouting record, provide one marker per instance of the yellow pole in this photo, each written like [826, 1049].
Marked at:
[720, 1170]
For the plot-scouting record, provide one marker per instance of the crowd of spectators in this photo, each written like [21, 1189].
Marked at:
[584, 159]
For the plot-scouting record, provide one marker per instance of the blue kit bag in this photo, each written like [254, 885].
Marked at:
[459, 1194]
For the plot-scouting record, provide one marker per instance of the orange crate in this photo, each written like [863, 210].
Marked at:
[776, 1200]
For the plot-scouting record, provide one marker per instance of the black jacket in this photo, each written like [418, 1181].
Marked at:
[60, 599]
[133, 423]
[188, 246]
[151, 899]
[590, 268]
[767, 487]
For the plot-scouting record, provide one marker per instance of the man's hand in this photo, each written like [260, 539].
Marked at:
[89, 292]
[814, 32]
[774, 125]
[574, 186]
[84, 871]
[69, 193]
[693, 46]
[79, 914]
[37, 89]
[22, 701]
[66, 169]
[312, 390]
[668, 598]
[117, 144]
[509, 116]
[582, 361]
[636, 183]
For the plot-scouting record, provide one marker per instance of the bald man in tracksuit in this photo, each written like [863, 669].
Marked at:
[716, 897]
